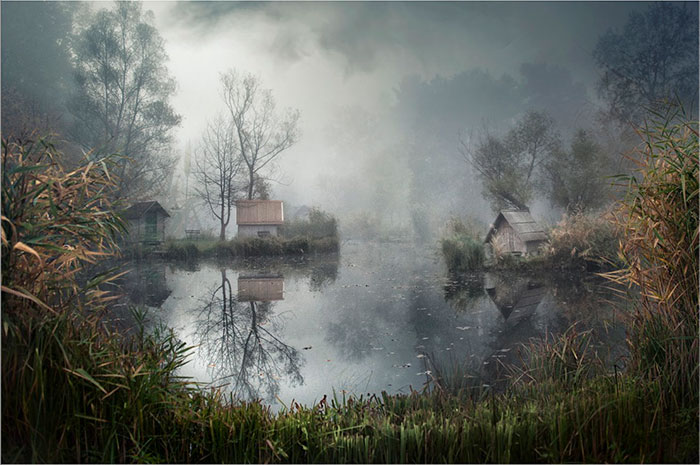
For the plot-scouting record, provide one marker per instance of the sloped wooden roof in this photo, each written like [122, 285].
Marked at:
[139, 209]
[259, 212]
[522, 222]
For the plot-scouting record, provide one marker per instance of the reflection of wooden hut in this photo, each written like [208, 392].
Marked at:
[259, 217]
[146, 222]
[262, 288]
[519, 296]
[515, 232]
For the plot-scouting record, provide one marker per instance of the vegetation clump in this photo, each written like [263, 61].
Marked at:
[583, 241]
[463, 249]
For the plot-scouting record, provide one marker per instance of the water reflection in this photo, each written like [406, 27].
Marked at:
[239, 334]
[300, 328]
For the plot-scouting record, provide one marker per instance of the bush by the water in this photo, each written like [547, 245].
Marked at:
[318, 225]
[583, 241]
[463, 249]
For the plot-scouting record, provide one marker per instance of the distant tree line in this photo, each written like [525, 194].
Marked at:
[652, 63]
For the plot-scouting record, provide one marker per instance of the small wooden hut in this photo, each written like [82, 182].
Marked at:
[146, 222]
[260, 288]
[515, 232]
[259, 218]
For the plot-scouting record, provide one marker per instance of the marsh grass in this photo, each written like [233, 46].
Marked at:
[660, 221]
[73, 391]
[587, 242]
[462, 248]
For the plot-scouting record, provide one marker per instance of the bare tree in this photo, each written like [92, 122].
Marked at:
[240, 338]
[262, 135]
[217, 169]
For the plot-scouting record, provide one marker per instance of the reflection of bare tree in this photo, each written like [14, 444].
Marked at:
[238, 338]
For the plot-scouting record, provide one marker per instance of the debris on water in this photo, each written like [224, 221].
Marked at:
[405, 365]
[426, 372]
[504, 350]
[463, 328]
[426, 338]
[420, 347]
[307, 347]
[420, 356]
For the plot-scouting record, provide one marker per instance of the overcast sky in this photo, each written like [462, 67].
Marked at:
[323, 57]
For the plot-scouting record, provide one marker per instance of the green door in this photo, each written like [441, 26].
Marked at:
[151, 233]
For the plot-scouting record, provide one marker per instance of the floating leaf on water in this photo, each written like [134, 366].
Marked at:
[420, 356]
[307, 348]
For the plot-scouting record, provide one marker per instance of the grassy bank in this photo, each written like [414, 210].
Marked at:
[124, 402]
[316, 234]
[249, 247]
[74, 391]
[578, 243]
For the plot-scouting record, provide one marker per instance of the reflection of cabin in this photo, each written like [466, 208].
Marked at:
[146, 222]
[261, 288]
[515, 232]
[520, 296]
[259, 217]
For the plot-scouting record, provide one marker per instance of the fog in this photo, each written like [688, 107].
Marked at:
[385, 89]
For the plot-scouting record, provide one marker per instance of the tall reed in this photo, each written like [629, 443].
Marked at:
[660, 251]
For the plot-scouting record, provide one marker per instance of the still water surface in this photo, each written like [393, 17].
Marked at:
[377, 317]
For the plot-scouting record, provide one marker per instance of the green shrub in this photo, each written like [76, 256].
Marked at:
[463, 250]
[319, 225]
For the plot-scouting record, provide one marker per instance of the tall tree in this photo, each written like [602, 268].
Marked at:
[508, 166]
[122, 102]
[262, 135]
[655, 57]
[217, 169]
[574, 179]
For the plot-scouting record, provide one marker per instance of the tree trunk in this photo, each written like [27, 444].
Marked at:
[251, 183]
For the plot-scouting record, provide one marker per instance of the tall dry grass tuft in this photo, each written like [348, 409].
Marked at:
[660, 252]
[588, 242]
[54, 222]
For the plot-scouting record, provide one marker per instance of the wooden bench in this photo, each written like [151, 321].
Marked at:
[192, 233]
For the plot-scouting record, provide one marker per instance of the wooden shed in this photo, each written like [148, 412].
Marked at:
[260, 288]
[259, 218]
[146, 222]
[516, 232]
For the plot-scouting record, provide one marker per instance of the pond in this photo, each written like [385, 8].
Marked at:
[376, 317]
